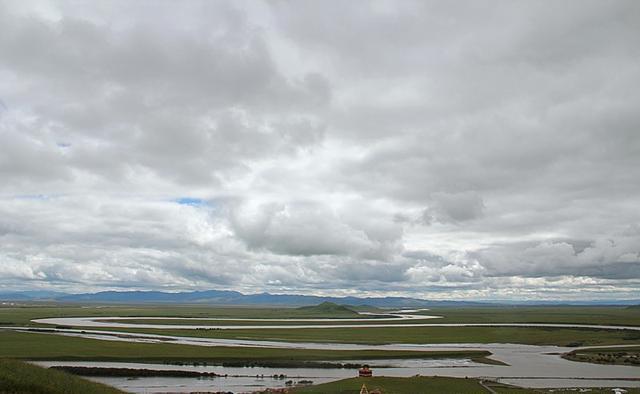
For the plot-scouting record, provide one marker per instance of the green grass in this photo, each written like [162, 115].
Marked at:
[384, 335]
[392, 385]
[34, 346]
[53, 347]
[21, 316]
[611, 349]
[329, 308]
[508, 389]
[594, 390]
[433, 384]
[17, 377]
[607, 315]
[249, 323]
[619, 356]
[578, 315]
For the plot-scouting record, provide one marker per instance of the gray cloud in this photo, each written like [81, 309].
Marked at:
[447, 207]
[306, 229]
[411, 148]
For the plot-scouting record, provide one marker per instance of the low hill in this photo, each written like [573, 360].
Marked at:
[328, 308]
[21, 377]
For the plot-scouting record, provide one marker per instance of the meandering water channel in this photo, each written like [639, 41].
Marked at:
[120, 322]
[528, 365]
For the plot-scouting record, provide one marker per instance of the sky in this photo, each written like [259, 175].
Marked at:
[480, 150]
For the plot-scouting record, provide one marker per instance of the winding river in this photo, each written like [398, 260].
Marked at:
[120, 322]
[528, 365]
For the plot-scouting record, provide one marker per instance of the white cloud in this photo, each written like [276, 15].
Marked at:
[396, 148]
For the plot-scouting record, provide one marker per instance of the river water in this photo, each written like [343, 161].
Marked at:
[240, 380]
[528, 365]
[106, 322]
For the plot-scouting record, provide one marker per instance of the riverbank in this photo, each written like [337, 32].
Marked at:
[133, 372]
[614, 355]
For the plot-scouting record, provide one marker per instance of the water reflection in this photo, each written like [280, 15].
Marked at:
[528, 368]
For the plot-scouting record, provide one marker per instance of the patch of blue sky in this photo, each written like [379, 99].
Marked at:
[191, 201]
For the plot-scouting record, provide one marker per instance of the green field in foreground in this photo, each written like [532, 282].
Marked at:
[33, 346]
[17, 377]
[397, 386]
[435, 384]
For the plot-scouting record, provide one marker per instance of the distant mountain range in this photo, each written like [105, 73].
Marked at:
[30, 295]
[223, 297]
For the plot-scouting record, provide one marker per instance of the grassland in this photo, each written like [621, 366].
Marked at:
[413, 385]
[38, 346]
[436, 384]
[619, 355]
[23, 315]
[33, 346]
[397, 386]
[556, 314]
[423, 335]
[17, 377]
[329, 308]
[605, 315]
[592, 390]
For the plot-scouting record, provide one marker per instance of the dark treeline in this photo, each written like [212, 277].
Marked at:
[131, 372]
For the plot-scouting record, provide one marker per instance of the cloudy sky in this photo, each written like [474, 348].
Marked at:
[468, 150]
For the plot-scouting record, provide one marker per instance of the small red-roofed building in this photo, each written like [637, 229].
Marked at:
[365, 372]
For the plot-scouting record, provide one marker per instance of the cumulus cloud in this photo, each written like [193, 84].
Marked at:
[306, 229]
[414, 148]
[453, 207]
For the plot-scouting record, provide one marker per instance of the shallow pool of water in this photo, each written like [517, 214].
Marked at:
[531, 369]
